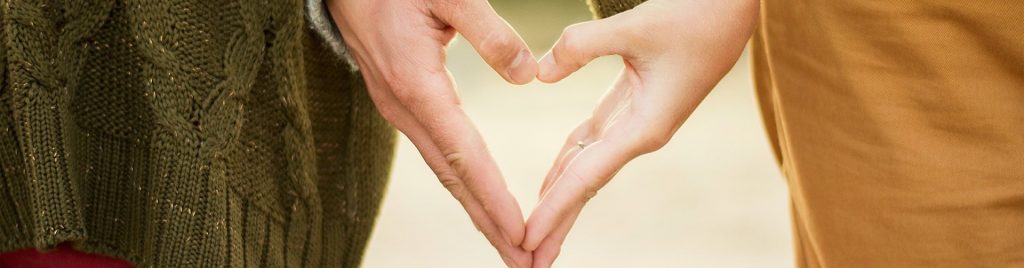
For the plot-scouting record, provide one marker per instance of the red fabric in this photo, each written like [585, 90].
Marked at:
[62, 257]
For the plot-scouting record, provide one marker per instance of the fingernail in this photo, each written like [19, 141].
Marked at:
[547, 64]
[521, 71]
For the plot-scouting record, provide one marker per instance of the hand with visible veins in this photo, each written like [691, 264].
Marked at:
[400, 46]
[675, 52]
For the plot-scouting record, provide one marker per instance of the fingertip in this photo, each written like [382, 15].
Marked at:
[518, 240]
[523, 68]
[533, 236]
[547, 69]
[513, 226]
[514, 237]
[530, 244]
[507, 237]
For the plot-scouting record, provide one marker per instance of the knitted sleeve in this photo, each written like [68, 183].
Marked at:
[320, 20]
[607, 8]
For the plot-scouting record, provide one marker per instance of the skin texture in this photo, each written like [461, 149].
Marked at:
[675, 52]
[400, 48]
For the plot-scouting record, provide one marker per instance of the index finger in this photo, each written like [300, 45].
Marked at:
[492, 37]
[434, 105]
[579, 181]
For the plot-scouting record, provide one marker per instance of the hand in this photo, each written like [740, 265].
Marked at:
[674, 53]
[400, 48]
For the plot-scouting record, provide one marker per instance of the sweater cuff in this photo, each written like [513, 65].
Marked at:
[607, 8]
[320, 20]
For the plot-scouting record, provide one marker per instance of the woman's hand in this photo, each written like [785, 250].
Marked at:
[674, 51]
[400, 48]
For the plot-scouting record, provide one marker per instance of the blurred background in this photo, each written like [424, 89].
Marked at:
[713, 197]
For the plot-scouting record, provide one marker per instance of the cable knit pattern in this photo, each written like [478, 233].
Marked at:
[188, 133]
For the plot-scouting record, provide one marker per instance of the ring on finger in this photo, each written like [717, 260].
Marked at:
[581, 144]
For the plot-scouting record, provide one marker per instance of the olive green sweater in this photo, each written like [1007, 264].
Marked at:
[186, 133]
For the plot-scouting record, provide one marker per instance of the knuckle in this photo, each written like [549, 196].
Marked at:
[572, 46]
[411, 86]
[457, 163]
[581, 131]
[453, 184]
[499, 47]
[589, 189]
[654, 140]
[455, 160]
[648, 134]
[407, 93]
[571, 38]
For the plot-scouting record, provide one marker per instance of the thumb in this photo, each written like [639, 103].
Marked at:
[493, 38]
[583, 42]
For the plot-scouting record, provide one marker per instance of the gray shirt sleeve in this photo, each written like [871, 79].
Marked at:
[320, 20]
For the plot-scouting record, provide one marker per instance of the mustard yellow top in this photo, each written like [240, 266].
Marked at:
[899, 126]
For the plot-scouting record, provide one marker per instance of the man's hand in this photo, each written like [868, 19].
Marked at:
[674, 53]
[400, 48]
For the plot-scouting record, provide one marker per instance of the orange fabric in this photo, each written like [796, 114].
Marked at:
[899, 126]
[61, 257]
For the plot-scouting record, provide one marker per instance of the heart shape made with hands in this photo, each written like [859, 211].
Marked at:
[400, 47]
